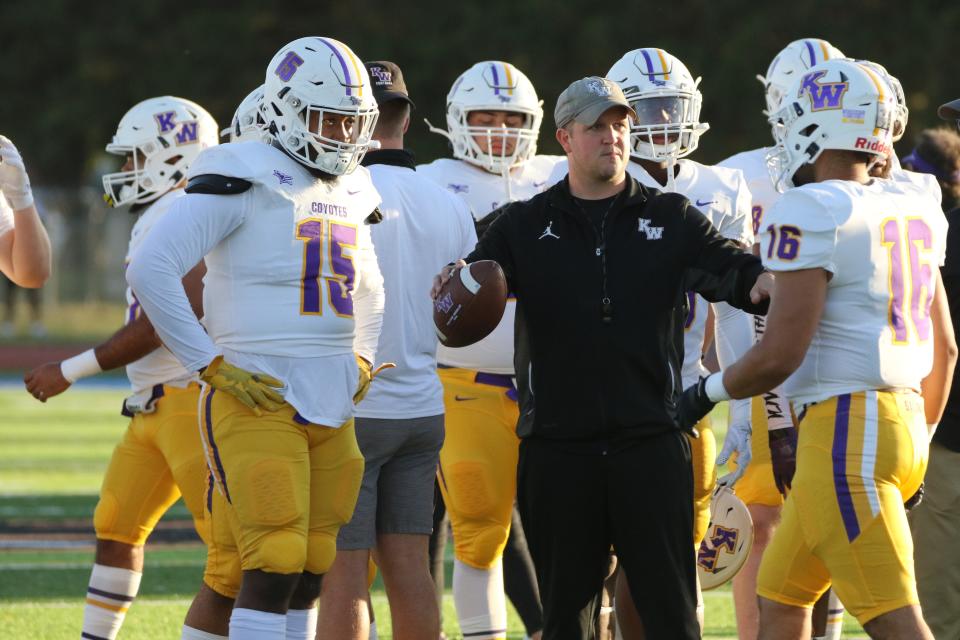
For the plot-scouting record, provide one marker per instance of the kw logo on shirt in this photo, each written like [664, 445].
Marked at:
[651, 233]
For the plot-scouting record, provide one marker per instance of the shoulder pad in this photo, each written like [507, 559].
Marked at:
[375, 217]
[213, 184]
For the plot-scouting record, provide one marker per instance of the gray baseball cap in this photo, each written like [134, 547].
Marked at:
[950, 111]
[587, 99]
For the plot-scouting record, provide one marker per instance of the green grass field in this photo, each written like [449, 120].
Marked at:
[52, 457]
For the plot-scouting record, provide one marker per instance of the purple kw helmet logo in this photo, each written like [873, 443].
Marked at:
[722, 539]
[823, 95]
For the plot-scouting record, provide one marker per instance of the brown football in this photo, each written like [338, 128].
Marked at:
[470, 304]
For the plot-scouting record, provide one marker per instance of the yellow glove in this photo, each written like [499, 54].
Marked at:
[252, 389]
[367, 376]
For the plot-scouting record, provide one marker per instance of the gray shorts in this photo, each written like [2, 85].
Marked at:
[396, 495]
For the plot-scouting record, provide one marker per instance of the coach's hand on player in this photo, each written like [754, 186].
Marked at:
[367, 374]
[762, 288]
[441, 278]
[256, 390]
[783, 456]
[46, 381]
[738, 439]
[693, 405]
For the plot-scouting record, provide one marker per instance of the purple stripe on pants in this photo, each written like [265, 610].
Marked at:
[842, 487]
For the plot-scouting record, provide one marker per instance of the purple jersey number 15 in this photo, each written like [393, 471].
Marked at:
[320, 236]
[917, 237]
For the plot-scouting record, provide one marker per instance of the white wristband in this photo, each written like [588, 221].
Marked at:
[21, 201]
[715, 389]
[80, 366]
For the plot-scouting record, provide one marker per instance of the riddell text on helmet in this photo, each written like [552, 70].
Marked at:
[873, 145]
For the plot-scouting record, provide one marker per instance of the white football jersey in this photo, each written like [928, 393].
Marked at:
[291, 276]
[6, 215]
[483, 192]
[925, 181]
[159, 366]
[882, 243]
[721, 195]
[424, 227]
[753, 165]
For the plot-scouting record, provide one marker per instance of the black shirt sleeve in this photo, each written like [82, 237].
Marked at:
[719, 270]
[948, 433]
[494, 233]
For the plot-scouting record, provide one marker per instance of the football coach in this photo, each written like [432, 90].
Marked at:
[600, 266]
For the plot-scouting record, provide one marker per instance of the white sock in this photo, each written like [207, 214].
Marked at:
[189, 633]
[834, 619]
[302, 624]
[250, 624]
[373, 630]
[480, 601]
[110, 593]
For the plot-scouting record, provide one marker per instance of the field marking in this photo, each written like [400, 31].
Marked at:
[70, 566]
[47, 544]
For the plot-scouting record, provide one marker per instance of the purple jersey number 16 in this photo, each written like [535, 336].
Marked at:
[340, 283]
[788, 245]
[918, 238]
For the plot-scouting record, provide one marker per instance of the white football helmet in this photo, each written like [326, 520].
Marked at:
[665, 96]
[727, 544]
[902, 113]
[162, 136]
[248, 122]
[308, 81]
[838, 104]
[796, 58]
[493, 86]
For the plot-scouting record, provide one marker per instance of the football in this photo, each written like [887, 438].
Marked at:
[470, 304]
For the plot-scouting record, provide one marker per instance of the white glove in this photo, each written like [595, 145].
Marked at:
[738, 439]
[14, 181]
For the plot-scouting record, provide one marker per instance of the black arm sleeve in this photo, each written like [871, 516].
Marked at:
[720, 270]
[484, 223]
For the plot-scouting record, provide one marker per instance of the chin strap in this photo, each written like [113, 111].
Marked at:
[433, 129]
[505, 174]
[671, 174]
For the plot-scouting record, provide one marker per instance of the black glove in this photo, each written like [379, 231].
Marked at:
[915, 499]
[783, 456]
[693, 406]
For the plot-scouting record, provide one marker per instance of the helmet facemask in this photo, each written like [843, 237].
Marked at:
[157, 168]
[665, 96]
[330, 139]
[312, 81]
[478, 145]
[667, 127]
[492, 86]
